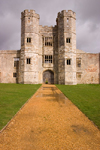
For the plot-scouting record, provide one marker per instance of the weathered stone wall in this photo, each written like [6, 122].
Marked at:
[61, 48]
[49, 50]
[66, 22]
[7, 66]
[70, 48]
[88, 70]
[29, 49]
[55, 54]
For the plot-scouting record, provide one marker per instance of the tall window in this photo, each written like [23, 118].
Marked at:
[16, 62]
[14, 74]
[28, 40]
[68, 40]
[67, 22]
[48, 58]
[48, 41]
[78, 62]
[28, 60]
[68, 61]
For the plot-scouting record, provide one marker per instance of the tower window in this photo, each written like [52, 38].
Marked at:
[28, 60]
[48, 41]
[48, 58]
[28, 40]
[67, 20]
[68, 61]
[68, 40]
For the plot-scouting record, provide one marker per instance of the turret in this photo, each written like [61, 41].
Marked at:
[29, 47]
[66, 22]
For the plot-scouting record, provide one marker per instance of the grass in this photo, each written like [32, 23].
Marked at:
[86, 98]
[12, 97]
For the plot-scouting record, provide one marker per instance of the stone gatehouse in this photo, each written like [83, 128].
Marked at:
[49, 54]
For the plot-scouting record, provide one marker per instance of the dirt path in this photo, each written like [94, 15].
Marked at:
[49, 121]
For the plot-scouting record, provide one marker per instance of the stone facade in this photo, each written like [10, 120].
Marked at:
[49, 54]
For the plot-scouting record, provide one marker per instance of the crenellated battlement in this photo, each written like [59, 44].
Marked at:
[31, 13]
[63, 13]
[70, 13]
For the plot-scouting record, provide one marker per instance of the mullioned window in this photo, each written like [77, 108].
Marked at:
[48, 41]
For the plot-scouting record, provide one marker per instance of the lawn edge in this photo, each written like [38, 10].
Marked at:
[80, 110]
[18, 111]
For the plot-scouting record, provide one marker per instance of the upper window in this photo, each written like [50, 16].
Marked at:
[28, 60]
[68, 61]
[28, 40]
[48, 41]
[78, 62]
[16, 62]
[48, 58]
[68, 40]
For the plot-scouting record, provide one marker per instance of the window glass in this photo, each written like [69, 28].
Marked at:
[48, 58]
[48, 41]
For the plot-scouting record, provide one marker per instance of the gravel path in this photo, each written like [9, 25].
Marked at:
[49, 121]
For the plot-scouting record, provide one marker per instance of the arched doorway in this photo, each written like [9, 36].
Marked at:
[48, 76]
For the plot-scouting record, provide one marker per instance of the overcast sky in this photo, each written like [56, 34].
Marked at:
[87, 20]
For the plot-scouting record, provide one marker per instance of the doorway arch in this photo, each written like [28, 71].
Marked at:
[48, 76]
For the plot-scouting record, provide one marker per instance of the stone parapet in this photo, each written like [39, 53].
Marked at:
[31, 13]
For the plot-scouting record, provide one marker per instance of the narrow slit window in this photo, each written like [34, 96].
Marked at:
[68, 61]
[28, 40]
[28, 60]
[68, 40]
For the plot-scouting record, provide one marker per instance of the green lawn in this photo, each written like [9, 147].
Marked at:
[86, 98]
[12, 97]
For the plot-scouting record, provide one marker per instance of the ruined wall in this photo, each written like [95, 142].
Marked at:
[7, 68]
[87, 65]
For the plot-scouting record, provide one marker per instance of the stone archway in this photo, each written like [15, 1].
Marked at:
[48, 75]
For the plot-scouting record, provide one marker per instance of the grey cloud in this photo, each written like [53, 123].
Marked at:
[87, 23]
